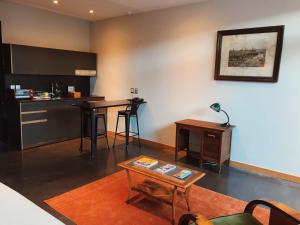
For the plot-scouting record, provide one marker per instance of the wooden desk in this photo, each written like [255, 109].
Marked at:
[92, 107]
[203, 140]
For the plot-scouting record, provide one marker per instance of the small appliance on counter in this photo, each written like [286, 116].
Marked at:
[72, 93]
[41, 95]
[20, 93]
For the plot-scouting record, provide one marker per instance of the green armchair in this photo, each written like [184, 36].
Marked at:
[280, 214]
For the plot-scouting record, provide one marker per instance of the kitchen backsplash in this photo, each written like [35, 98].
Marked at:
[43, 83]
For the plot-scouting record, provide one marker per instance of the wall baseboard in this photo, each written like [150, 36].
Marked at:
[264, 171]
[110, 133]
[156, 145]
[239, 165]
[152, 144]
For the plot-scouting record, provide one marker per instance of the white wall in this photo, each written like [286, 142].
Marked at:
[169, 55]
[31, 26]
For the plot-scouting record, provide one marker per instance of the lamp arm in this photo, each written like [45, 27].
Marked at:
[226, 115]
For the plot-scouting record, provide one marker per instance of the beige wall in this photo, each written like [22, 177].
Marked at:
[169, 55]
[30, 26]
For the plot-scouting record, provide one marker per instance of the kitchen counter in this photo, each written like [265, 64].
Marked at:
[90, 98]
[31, 123]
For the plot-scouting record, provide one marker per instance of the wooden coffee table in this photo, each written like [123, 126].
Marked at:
[168, 187]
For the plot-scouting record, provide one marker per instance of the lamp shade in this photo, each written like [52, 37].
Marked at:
[216, 107]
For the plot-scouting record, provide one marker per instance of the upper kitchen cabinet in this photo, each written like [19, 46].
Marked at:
[28, 60]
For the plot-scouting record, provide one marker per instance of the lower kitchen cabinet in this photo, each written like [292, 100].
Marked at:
[34, 134]
[45, 122]
[63, 121]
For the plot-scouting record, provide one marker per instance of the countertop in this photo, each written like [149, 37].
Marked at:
[90, 98]
[104, 104]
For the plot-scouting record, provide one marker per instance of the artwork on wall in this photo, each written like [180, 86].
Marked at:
[252, 54]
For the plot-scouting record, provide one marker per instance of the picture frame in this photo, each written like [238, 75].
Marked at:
[252, 54]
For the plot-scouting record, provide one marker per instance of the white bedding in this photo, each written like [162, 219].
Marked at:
[15, 209]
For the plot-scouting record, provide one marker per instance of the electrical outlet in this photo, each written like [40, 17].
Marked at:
[136, 91]
[132, 90]
[71, 89]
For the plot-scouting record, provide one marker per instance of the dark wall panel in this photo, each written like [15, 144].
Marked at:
[2, 87]
[43, 83]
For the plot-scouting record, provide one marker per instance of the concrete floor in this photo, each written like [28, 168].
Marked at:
[44, 172]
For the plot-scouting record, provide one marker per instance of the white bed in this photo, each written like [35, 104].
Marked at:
[15, 209]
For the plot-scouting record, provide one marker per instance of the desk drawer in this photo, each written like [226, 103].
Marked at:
[212, 137]
[211, 145]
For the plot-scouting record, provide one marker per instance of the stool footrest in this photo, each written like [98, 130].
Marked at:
[130, 133]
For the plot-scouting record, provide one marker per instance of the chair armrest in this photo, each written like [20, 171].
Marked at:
[282, 208]
[197, 218]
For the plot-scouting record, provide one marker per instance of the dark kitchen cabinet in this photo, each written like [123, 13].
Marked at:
[35, 125]
[2, 88]
[34, 134]
[63, 121]
[29, 60]
[32, 123]
[48, 122]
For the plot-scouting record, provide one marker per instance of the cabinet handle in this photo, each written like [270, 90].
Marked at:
[34, 121]
[33, 112]
[211, 136]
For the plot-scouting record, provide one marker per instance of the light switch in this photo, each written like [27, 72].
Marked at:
[71, 89]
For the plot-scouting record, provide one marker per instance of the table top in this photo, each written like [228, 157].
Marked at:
[203, 124]
[167, 177]
[103, 104]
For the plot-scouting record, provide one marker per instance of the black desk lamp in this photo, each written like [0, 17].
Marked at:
[217, 108]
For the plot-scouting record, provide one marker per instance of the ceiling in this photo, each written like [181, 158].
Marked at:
[103, 9]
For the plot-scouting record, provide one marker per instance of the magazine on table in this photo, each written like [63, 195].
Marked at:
[183, 174]
[145, 162]
[165, 168]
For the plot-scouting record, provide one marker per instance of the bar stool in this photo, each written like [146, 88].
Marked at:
[94, 131]
[128, 113]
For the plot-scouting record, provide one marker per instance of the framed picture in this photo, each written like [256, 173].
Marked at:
[252, 54]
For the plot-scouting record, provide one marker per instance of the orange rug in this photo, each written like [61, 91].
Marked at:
[103, 202]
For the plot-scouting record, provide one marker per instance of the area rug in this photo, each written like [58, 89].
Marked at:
[103, 202]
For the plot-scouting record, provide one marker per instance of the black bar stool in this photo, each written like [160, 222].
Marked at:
[94, 129]
[130, 111]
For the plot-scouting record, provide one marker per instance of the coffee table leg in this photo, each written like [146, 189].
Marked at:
[129, 185]
[174, 205]
[187, 197]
